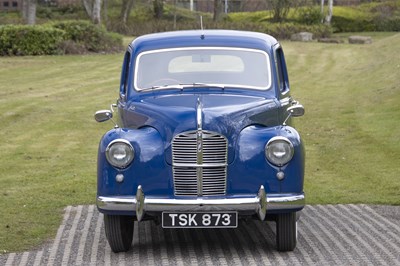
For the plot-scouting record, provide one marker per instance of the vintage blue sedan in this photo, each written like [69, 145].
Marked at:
[202, 137]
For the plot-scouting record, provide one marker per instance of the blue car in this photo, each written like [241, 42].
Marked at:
[202, 137]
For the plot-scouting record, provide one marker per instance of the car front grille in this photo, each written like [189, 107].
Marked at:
[199, 163]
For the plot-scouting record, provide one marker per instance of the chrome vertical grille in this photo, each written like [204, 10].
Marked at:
[199, 163]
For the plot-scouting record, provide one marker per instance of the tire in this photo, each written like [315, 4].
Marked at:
[119, 232]
[286, 231]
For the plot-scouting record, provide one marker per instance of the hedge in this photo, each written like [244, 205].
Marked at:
[74, 37]
[90, 37]
[30, 40]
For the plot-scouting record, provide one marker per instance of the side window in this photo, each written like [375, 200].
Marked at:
[280, 64]
[125, 74]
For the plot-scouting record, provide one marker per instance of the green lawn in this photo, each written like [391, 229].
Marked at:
[49, 137]
[351, 128]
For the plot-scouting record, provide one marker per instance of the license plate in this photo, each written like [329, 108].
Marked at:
[227, 219]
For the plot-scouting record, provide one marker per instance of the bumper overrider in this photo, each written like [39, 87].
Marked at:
[260, 203]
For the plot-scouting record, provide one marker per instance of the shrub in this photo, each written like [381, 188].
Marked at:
[30, 40]
[310, 15]
[93, 38]
[388, 24]
[345, 24]
[74, 37]
[374, 16]
[387, 16]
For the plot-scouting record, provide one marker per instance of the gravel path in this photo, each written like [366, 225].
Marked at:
[328, 235]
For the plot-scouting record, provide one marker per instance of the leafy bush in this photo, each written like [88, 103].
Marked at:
[345, 24]
[375, 16]
[30, 40]
[387, 16]
[90, 37]
[72, 37]
[388, 24]
[310, 15]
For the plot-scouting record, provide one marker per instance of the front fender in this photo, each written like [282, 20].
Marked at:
[148, 168]
[251, 169]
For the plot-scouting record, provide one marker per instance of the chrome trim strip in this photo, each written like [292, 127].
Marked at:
[199, 114]
[200, 165]
[247, 203]
[199, 149]
[268, 64]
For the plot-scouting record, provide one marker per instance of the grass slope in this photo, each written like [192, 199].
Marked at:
[49, 138]
[352, 132]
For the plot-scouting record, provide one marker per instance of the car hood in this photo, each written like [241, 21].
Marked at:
[227, 114]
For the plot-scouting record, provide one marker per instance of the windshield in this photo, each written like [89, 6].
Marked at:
[208, 66]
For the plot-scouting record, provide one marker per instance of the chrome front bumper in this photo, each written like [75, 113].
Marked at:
[260, 203]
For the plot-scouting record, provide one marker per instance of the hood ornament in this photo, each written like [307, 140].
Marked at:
[199, 113]
[199, 140]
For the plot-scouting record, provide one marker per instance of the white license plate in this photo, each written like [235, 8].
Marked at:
[227, 219]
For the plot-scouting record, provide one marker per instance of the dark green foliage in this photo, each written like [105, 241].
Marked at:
[388, 24]
[375, 16]
[387, 16]
[89, 37]
[344, 24]
[30, 40]
[310, 15]
[44, 12]
[71, 37]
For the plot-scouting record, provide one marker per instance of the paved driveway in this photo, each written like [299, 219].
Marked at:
[328, 235]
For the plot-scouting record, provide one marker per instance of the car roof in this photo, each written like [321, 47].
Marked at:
[200, 38]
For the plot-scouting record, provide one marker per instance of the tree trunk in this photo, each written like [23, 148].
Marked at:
[126, 10]
[88, 7]
[280, 9]
[31, 12]
[217, 9]
[96, 16]
[105, 12]
[328, 17]
[24, 11]
[158, 8]
[322, 6]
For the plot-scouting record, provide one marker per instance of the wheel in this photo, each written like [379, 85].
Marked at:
[119, 231]
[286, 231]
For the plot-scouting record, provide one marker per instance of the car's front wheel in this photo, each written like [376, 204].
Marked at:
[286, 231]
[119, 231]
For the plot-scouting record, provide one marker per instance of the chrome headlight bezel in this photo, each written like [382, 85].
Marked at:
[279, 150]
[125, 150]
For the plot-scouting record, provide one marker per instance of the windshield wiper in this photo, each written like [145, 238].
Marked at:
[163, 87]
[183, 86]
[199, 84]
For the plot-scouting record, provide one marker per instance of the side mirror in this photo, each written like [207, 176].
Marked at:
[296, 110]
[103, 115]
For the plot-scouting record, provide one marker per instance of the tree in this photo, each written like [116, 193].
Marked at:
[126, 10]
[93, 10]
[158, 8]
[280, 9]
[328, 17]
[217, 9]
[29, 11]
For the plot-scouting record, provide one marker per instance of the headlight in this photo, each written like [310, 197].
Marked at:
[279, 151]
[120, 153]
